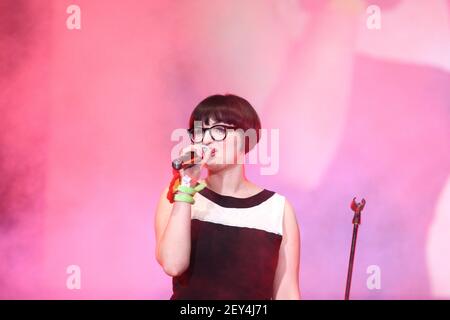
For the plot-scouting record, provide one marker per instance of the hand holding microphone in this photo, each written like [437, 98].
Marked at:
[191, 161]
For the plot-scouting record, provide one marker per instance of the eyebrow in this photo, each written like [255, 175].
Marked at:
[219, 123]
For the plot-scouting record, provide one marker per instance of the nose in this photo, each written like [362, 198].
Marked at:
[207, 139]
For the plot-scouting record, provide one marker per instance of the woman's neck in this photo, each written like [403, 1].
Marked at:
[229, 181]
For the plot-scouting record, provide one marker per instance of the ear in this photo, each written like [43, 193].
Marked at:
[241, 141]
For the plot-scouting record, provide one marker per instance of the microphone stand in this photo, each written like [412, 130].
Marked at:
[357, 208]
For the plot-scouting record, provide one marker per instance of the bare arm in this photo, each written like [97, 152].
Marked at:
[173, 223]
[286, 282]
[173, 235]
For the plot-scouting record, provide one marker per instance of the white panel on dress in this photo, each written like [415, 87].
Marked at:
[267, 216]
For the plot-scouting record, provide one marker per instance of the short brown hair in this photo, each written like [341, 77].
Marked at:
[230, 109]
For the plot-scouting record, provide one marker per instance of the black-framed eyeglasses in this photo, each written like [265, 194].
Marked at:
[217, 132]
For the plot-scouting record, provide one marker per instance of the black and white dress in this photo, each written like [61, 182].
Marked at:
[234, 247]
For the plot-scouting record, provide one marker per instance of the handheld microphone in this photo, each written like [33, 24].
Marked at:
[188, 160]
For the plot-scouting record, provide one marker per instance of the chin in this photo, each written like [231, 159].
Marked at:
[214, 167]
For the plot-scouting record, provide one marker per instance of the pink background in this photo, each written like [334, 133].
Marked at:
[86, 117]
